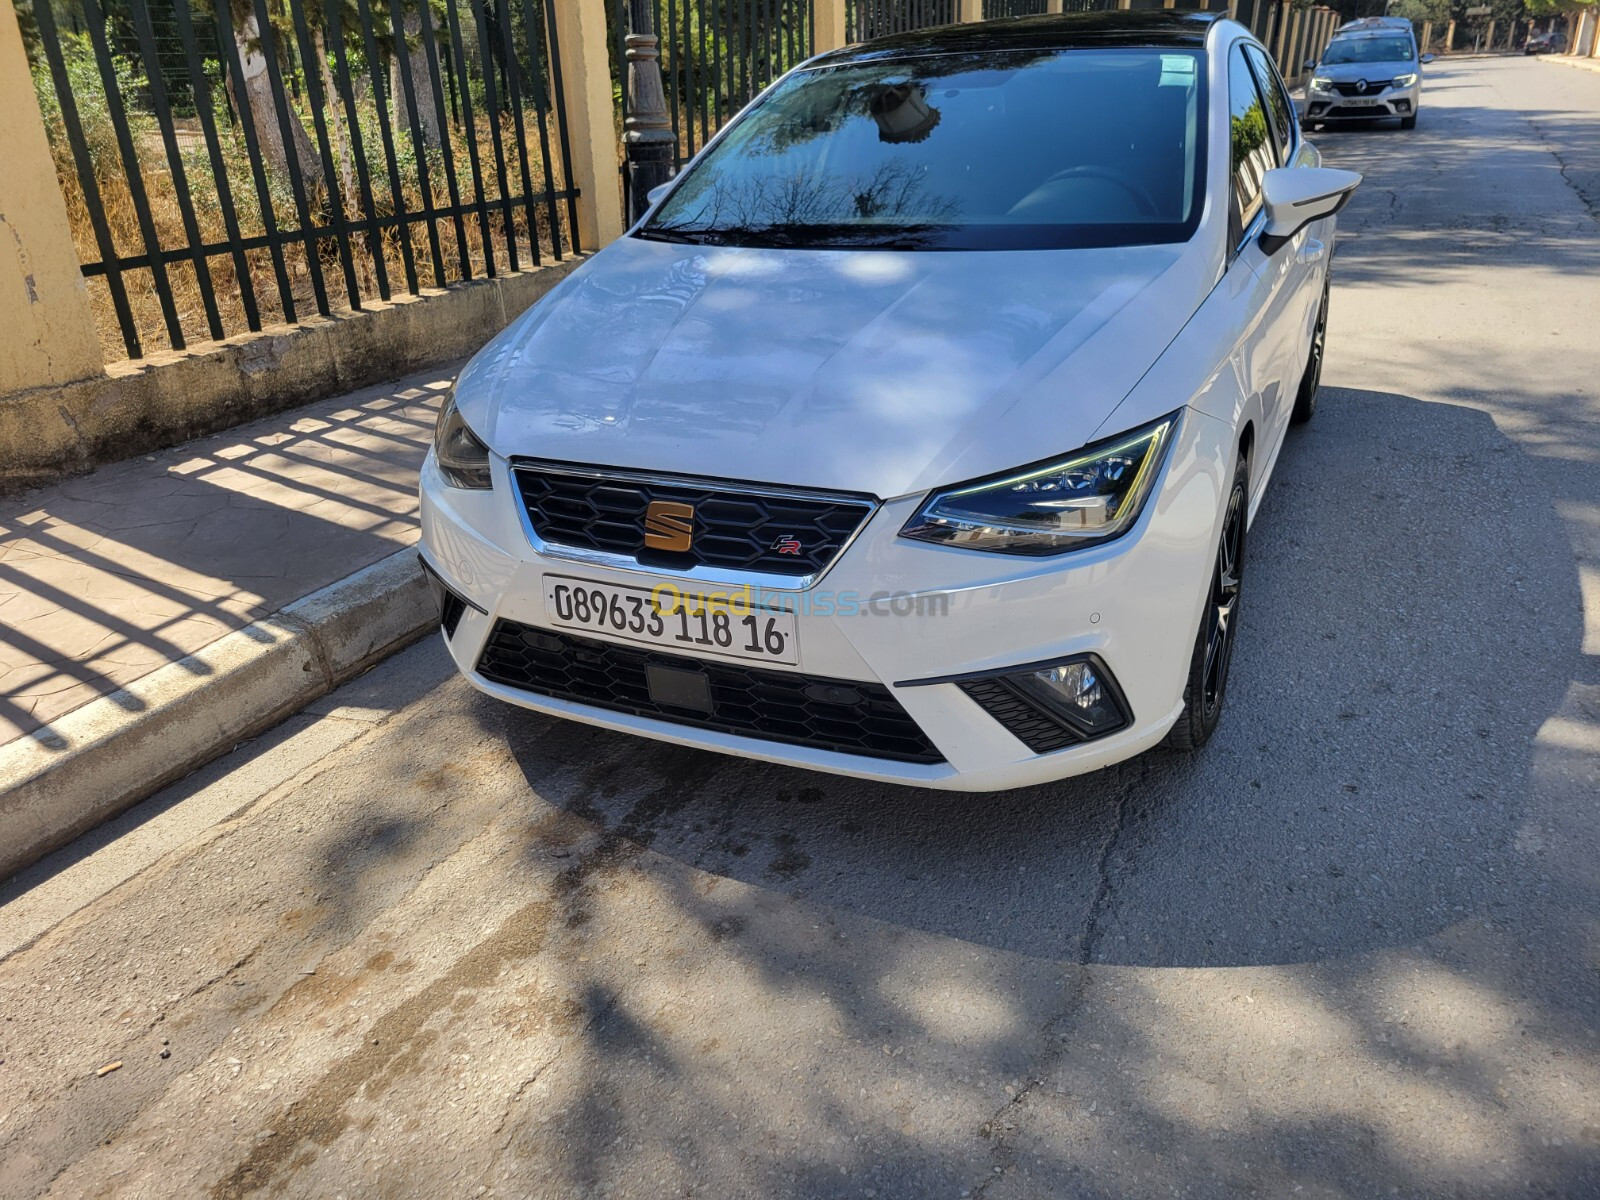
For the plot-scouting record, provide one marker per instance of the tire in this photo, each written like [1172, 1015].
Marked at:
[1305, 399]
[1207, 686]
[1408, 122]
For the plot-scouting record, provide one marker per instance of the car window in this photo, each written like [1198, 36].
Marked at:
[1367, 50]
[1005, 150]
[1279, 107]
[1251, 142]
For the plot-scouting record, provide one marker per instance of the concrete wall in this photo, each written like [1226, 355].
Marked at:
[133, 407]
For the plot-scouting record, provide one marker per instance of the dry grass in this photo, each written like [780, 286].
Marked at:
[116, 193]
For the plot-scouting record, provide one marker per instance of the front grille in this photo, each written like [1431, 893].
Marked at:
[742, 530]
[1374, 86]
[841, 715]
[1033, 728]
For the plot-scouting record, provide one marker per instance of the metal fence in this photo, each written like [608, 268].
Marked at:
[244, 164]
[865, 19]
[716, 55]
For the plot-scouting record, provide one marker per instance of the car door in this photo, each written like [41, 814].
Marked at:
[1291, 273]
[1251, 155]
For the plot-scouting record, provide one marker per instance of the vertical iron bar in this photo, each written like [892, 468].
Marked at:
[558, 91]
[369, 44]
[51, 38]
[330, 172]
[491, 100]
[154, 78]
[95, 19]
[484, 234]
[535, 29]
[463, 252]
[514, 94]
[341, 81]
[419, 144]
[201, 88]
[258, 172]
[291, 152]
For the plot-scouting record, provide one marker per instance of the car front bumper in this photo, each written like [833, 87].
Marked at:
[925, 612]
[1392, 102]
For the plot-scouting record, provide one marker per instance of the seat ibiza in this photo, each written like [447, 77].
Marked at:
[915, 430]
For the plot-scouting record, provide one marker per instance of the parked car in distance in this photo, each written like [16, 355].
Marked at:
[1546, 43]
[1367, 74]
[914, 432]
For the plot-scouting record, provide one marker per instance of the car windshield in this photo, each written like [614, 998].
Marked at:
[1013, 150]
[1367, 50]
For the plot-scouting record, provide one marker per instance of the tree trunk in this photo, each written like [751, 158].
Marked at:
[264, 113]
[412, 57]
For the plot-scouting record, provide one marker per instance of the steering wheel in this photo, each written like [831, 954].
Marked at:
[1141, 198]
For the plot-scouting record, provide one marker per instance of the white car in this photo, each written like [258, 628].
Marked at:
[914, 432]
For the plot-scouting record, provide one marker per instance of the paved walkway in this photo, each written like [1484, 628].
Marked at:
[109, 576]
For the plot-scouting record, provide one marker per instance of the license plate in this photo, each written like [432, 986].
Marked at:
[693, 623]
[1360, 102]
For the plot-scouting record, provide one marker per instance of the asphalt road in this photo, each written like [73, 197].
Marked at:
[417, 943]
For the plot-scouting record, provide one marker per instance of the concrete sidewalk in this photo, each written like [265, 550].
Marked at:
[157, 611]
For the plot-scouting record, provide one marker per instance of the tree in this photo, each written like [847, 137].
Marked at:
[257, 86]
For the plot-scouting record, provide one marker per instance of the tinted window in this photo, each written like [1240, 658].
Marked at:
[1251, 140]
[1367, 50]
[1279, 107]
[1032, 149]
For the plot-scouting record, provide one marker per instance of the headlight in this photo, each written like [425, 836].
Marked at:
[1322, 85]
[1092, 497]
[463, 459]
[1403, 80]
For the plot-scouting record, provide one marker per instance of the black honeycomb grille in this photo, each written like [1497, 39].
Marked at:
[1374, 86]
[737, 530]
[1034, 729]
[841, 715]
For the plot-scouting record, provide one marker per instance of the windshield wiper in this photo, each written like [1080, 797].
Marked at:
[841, 236]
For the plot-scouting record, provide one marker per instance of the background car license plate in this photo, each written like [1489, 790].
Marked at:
[699, 624]
[1359, 102]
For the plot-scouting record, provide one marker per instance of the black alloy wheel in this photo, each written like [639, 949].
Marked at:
[1207, 686]
[1305, 399]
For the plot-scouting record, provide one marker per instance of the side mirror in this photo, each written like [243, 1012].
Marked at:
[1296, 196]
[1427, 58]
[1311, 64]
[655, 193]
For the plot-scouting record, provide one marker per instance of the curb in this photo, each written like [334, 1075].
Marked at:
[113, 752]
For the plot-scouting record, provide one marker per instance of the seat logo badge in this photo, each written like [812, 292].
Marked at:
[787, 544]
[668, 525]
[1361, 85]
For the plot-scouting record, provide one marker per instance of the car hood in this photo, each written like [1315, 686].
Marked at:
[885, 372]
[1374, 71]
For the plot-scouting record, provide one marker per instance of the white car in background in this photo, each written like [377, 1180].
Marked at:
[915, 431]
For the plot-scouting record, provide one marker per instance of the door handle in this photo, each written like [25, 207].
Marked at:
[1311, 252]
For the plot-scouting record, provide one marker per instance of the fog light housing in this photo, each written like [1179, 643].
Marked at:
[1402, 106]
[1050, 705]
[1080, 692]
[452, 606]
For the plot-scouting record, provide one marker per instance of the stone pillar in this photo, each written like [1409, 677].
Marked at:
[828, 29]
[49, 328]
[969, 10]
[1450, 37]
[591, 120]
[1052, 6]
[1281, 16]
[1427, 37]
[1488, 38]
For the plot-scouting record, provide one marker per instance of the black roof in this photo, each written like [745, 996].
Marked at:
[1162, 27]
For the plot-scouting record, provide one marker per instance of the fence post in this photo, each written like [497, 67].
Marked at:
[1449, 37]
[49, 337]
[1427, 36]
[647, 138]
[1052, 6]
[591, 119]
[828, 30]
[969, 10]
